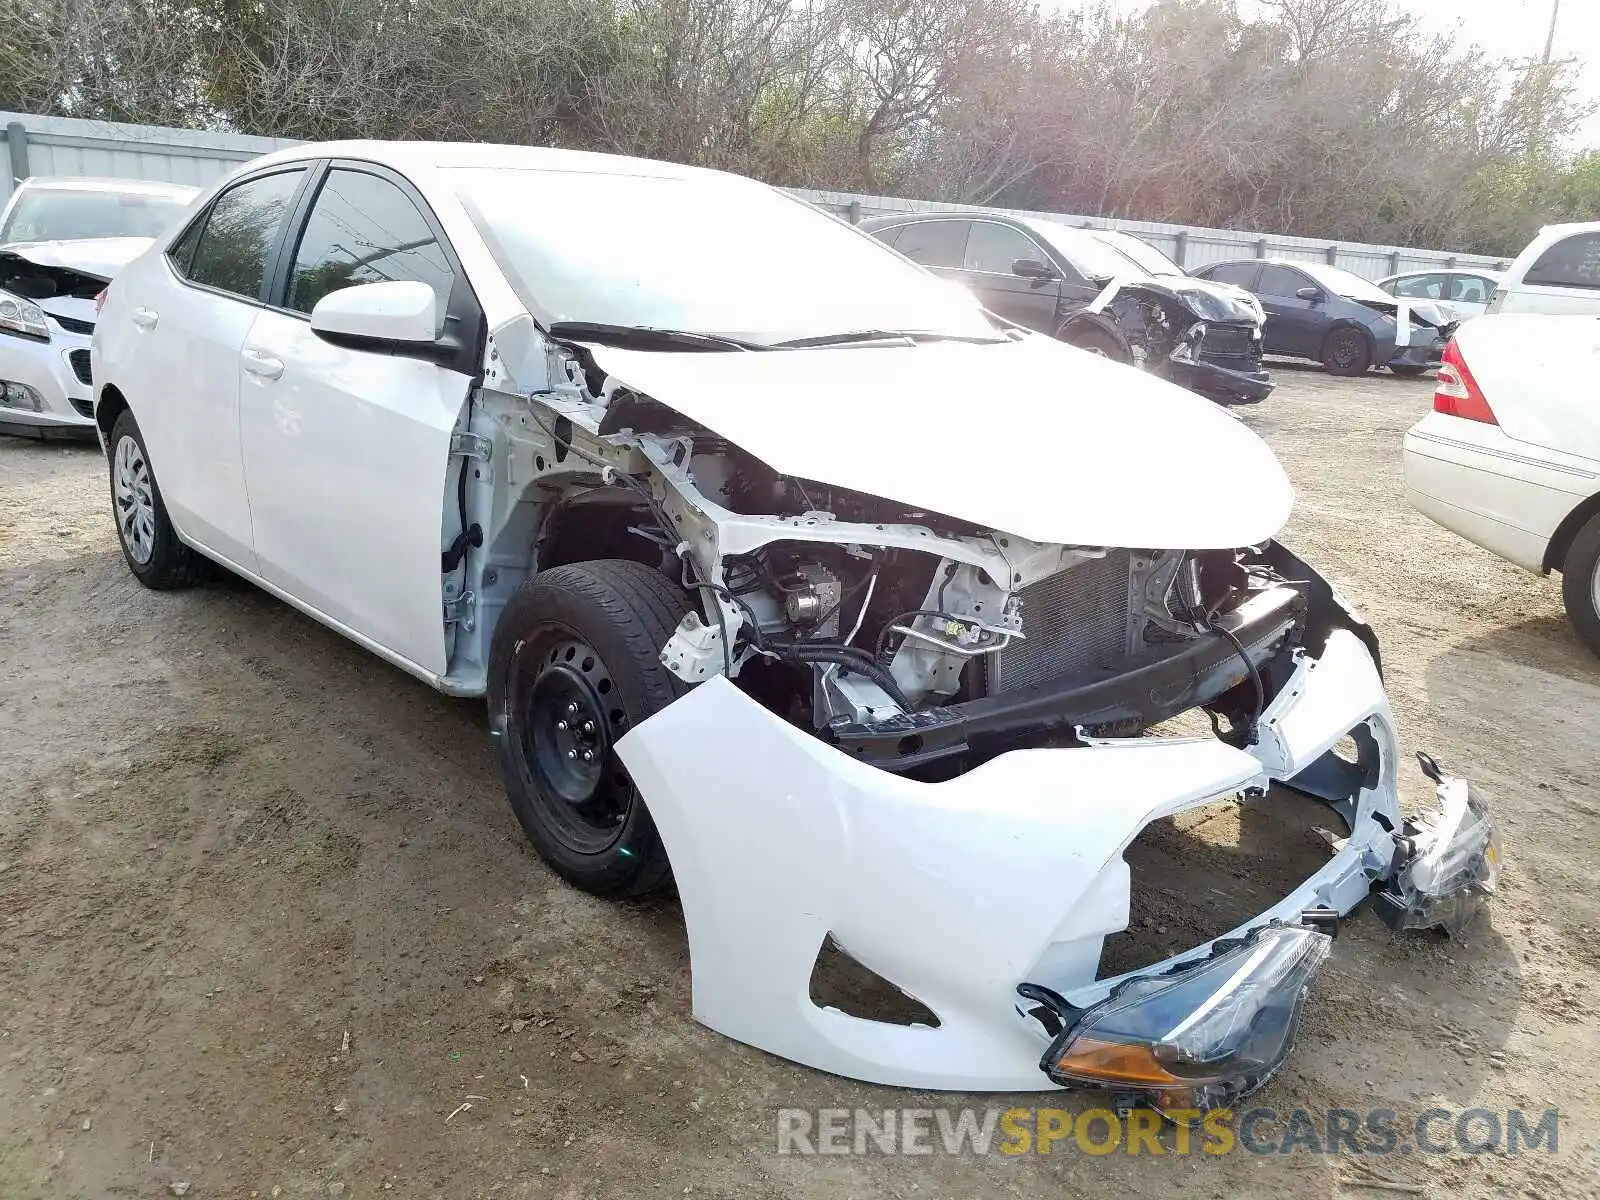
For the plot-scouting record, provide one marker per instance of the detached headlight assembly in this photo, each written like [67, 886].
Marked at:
[1201, 1037]
[22, 317]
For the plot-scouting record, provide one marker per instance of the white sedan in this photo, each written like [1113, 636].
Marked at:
[1510, 456]
[690, 481]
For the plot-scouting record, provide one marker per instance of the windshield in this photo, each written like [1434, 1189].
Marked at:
[1343, 283]
[1093, 258]
[49, 215]
[705, 253]
[1141, 252]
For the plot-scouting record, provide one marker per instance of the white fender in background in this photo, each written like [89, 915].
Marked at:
[955, 892]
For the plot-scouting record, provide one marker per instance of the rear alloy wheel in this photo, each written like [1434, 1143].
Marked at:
[1347, 352]
[1580, 583]
[150, 544]
[576, 663]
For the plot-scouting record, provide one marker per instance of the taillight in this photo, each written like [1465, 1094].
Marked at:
[100, 300]
[1457, 393]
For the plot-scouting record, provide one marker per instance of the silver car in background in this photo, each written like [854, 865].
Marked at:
[61, 241]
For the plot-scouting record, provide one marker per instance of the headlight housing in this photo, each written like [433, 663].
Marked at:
[1453, 867]
[1201, 1037]
[22, 317]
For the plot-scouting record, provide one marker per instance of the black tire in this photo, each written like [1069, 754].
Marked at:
[588, 635]
[1095, 340]
[1580, 583]
[1408, 370]
[1347, 351]
[155, 555]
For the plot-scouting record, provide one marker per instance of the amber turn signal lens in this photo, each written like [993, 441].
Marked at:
[1112, 1062]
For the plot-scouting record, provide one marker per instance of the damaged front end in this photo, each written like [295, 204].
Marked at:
[1196, 334]
[929, 743]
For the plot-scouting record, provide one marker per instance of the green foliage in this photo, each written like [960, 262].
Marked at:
[1330, 118]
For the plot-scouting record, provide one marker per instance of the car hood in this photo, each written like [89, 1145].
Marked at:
[1031, 437]
[100, 258]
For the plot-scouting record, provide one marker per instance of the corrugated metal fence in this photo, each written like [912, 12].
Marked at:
[65, 146]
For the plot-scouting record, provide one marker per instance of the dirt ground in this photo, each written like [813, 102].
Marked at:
[268, 927]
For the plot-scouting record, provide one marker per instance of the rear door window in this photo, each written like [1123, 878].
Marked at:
[934, 243]
[241, 231]
[1572, 262]
[1422, 287]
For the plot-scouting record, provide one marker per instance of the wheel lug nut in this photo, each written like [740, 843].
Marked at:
[588, 726]
[588, 756]
[572, 706]
[562, 725]
[572, 754]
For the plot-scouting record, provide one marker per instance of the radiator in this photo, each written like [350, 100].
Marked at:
[1072, 621]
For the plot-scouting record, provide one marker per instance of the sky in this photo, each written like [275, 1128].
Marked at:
[1510, 29]
[1518, 28]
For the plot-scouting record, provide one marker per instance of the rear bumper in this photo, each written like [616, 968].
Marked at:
[959, 892]
[1475, 481]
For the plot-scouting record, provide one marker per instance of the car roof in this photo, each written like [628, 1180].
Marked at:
[408, 156]
[1485, 272]
[93, 183]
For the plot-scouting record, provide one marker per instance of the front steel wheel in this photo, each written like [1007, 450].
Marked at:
[1347, 352]
[575, 663]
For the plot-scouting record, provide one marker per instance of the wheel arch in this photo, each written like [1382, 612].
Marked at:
[1085, 321]
[109, 405]
[1555, 554]
[1339, 324]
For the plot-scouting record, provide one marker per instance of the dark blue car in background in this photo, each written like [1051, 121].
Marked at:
[1338, 318]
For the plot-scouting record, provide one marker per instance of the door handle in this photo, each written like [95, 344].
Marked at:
[262, 365]
[145, 318]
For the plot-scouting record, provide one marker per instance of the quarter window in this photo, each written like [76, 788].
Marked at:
[1572, 262]
[934, 243]
[240, 232]
[365, 229]
[994, 248]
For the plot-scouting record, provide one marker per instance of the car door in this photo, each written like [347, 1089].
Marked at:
[347, 451]
[991, 250]
[191, 312]
[1295, 326]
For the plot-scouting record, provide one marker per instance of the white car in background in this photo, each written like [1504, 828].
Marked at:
[61, 240]
[1510, 456]
[1558, 272]
[1467, 292]
[747, 610]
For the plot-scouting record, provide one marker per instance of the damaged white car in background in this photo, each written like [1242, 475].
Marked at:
[806, 586]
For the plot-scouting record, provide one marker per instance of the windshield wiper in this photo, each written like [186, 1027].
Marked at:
[646, 337]
[913, 336]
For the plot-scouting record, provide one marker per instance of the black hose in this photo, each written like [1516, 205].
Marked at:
[845, 656]
[1200, 624]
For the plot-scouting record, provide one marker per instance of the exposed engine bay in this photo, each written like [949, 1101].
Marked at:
[937, 737]
[915, 641]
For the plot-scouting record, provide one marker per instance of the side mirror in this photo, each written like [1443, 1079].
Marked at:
[396, 315]
[1032, 268]
[1312, 294]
